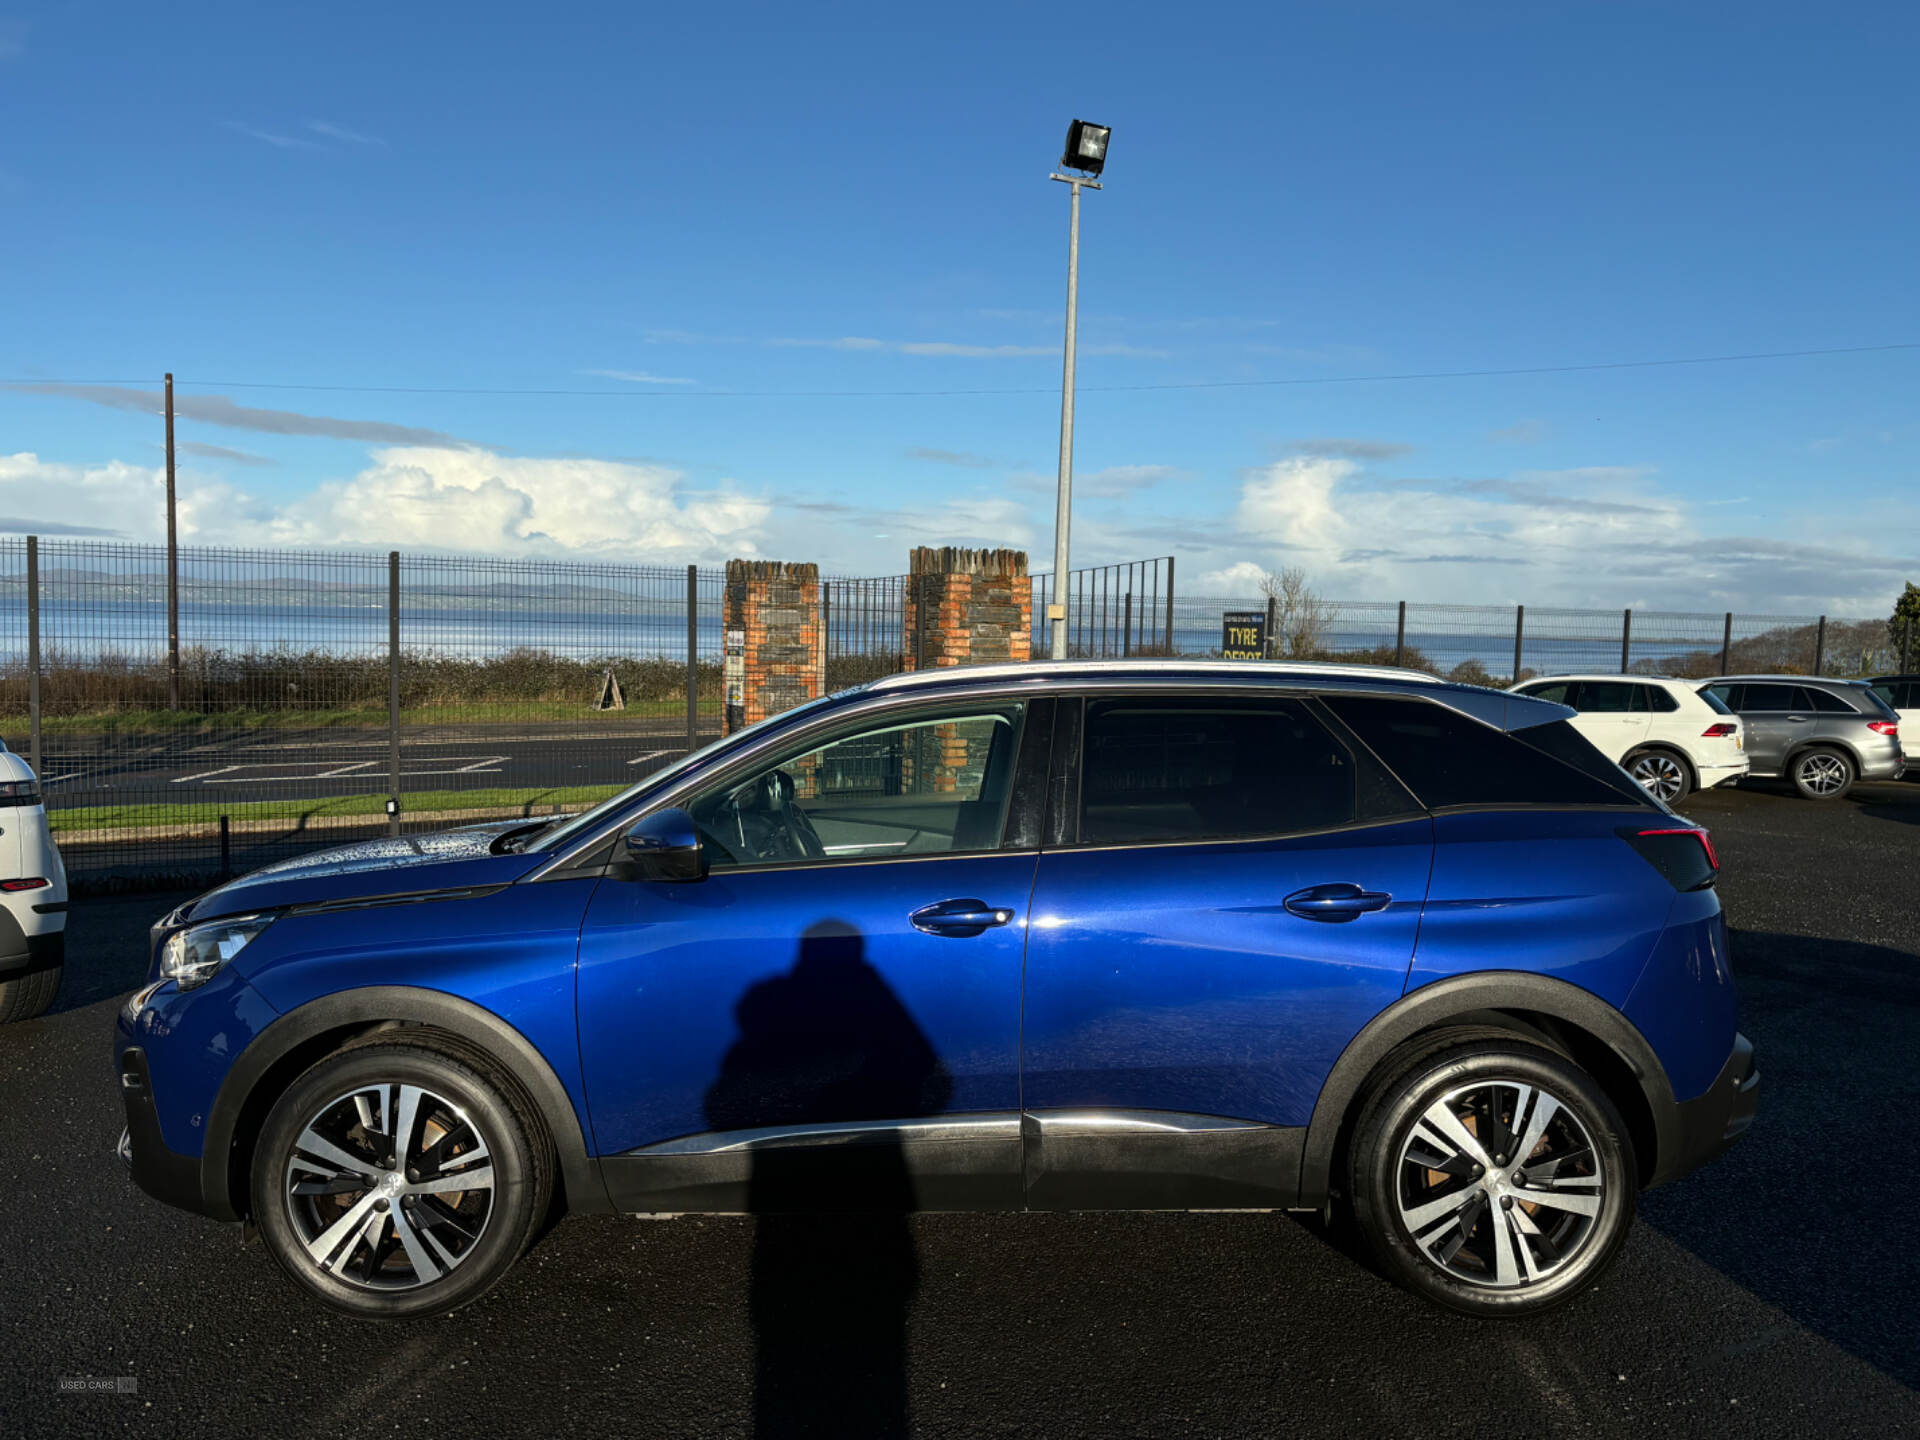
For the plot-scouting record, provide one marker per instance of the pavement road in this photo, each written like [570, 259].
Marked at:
[1775, 1293]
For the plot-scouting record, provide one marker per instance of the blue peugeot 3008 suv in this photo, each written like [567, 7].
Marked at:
[1161, 935]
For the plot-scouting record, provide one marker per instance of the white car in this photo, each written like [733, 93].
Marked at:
[1664, 733]
[33, 896]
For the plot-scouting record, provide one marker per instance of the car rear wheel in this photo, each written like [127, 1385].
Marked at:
[1822, 773]
[1493, 1178]
[27, 996]
[1661, 773]
[400, 1179]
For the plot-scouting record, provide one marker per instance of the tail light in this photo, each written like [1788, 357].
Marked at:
[1683, 854]
[37, 882]
[1889, 728]
[1720, 731]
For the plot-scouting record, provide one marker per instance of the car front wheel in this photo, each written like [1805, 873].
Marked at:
[1493, 1178]
[398, 1179]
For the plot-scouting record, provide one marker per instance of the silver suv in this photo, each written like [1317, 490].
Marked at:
[1821, 734]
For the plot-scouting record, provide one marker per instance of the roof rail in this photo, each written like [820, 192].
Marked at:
[1045, 669]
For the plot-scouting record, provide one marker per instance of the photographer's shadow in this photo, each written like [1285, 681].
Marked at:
[834, 1271]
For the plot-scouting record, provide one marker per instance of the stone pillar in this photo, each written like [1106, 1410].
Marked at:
[967, 607]
[775, 647]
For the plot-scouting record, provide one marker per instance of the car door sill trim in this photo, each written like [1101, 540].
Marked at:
[918, 1130]
[1065, 1122]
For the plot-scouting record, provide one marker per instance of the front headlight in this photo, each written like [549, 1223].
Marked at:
[194, 956]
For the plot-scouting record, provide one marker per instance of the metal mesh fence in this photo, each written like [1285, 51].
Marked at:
[304, 690]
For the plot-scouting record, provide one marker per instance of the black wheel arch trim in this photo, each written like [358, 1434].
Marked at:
[1798, 752]
[410, 1005]
[1457, 998]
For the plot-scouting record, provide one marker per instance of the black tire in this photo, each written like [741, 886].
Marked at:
[26, 996]
[1821, 772]
[1485, 1275]
[1665, 769]
[468, 1241]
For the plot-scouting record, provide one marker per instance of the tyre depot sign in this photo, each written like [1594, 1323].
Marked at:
[1243, 635]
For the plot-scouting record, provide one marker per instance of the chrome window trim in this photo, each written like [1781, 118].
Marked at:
[1058, 685]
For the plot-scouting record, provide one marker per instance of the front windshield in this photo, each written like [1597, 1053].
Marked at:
[564, 832]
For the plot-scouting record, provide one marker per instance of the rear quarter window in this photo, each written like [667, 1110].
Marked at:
[1447, 759]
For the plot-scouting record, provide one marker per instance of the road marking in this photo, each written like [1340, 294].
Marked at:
[353, 770]
[651, 755]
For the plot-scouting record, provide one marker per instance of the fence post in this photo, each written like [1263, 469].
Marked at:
[1400, 638]
[1626, 640]
[173, 569]
[1819, 644]
[1519, 630]
[33, 657]
[1726, 643]
[393, 692]
[1170, 604]
[1126, 625]
[1273, 627]
[693, 657]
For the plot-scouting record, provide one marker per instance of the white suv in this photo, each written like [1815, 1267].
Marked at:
[33, 896]
[1664, 733]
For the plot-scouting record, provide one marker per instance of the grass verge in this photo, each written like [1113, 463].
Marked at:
[190, 722]
[496, 802]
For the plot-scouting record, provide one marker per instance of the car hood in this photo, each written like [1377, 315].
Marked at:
[390, 865]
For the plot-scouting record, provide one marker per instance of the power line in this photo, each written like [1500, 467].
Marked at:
[679, 393]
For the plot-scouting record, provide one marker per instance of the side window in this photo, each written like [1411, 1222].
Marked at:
[1557, 692]
[1606, 697]
[1891, 694]
[1716, 699]
[916, 785]
[1654, 699]
[1824, 702]
[1770, 698]
[1731, 696]
[1446, 758]
[1212, 769]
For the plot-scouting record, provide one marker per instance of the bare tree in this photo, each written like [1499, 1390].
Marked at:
[1301, 618]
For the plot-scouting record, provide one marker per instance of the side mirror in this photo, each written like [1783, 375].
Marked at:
[665, 846]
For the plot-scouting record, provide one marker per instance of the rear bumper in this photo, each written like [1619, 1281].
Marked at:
[1883, 766]
[21, 952]
[1712, 1121]
[1712, 775]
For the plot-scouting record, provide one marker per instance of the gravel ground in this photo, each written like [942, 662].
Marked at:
[1776, 1292]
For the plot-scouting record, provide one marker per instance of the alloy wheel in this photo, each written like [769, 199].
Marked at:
[1823, 774]
[389, 1186]
[1659, 775]
[1499, 1185]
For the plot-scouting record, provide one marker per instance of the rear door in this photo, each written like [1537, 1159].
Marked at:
[1230, 890]
[1609, 716]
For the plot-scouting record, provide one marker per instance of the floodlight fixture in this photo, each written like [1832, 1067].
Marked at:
[1086, 147]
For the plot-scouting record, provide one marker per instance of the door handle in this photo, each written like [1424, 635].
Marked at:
[1336, 903]
[1796, 719]
[958, 918]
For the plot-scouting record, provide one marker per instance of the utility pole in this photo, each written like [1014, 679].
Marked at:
[1086, 152]
[1063, 499]
[173, 568]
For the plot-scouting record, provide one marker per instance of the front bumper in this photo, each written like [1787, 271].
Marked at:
[157, 1170]
[1713, 1120]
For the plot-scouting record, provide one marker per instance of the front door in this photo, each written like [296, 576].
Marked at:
[1611, 715]
[830, 1018]
[1238, 892]
[1771, 723]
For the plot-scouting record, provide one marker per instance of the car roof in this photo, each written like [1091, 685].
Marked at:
[1782, 679]
[1501, 708]
[1606, 675]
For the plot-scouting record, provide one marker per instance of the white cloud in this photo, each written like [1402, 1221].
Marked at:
[414, 498]
[640, 377]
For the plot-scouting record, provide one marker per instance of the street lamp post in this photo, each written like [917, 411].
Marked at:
[1086, 152]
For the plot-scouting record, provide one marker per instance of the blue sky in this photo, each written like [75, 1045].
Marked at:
[667, 204]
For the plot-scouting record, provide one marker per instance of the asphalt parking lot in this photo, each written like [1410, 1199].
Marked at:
[1775, 1293]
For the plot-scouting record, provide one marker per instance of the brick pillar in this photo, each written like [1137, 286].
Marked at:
[776, 653]
[967, 607]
